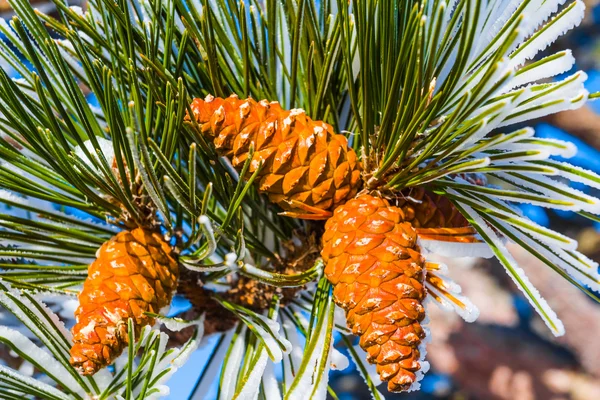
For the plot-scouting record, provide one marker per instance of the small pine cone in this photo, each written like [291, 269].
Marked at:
[252, 293]
[373, 261]
[426, 209]
[216, 317]
[134, 272]
[308, 169]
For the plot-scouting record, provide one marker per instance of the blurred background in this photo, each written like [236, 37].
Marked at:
[508, 353]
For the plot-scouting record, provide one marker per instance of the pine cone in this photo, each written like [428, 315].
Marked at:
[308, 170]
[134, 272]
[426, 209]
[373, 261]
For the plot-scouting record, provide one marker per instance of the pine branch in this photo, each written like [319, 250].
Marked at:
[424, 90]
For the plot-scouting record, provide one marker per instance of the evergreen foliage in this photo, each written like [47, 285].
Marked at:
[427, 91]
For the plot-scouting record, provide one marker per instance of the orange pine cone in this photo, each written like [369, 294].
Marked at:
[378, 274]
[426, 209]
[134, 272]
[308, 169]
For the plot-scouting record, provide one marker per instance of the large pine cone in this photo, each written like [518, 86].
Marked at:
[308, 169]
[373, 261]
[134, 272]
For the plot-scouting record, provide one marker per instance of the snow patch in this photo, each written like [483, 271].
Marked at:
[106, 147]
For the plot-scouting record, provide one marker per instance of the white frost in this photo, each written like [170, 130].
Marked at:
[339, 361]
[469, 313]
[229, 374]
[177, 324]
[269, 383]
[451, 249]
[40, 357]
[273, 339]
[34, 383]
[252, 384]
[519, 277]
[310, 383]
[545, 36]
[548, 67]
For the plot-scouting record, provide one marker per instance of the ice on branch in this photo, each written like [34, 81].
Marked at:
[447, 293]
[313, 375]
[516, 273]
